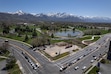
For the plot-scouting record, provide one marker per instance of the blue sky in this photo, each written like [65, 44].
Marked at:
[100, 8]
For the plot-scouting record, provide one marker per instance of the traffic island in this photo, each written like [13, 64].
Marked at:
[94, 70]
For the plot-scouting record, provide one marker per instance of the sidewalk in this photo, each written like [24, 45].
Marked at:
[3, 57]
[20, 67]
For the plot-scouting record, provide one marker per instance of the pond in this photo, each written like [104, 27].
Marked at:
[67, 33]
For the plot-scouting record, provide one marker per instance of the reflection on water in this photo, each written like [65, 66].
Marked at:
[67, 33]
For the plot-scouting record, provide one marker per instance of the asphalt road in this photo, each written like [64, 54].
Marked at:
[47, 67]
[2, 67]
[100, 47]
[25, 64]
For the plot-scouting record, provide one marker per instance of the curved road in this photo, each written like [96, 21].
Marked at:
[47, 67]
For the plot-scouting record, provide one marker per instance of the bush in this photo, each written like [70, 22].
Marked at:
[103, 61]
[11, 61]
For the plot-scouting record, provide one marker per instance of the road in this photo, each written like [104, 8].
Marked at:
[48, 67]
[2, 67]
[100, 47]
[25, 65]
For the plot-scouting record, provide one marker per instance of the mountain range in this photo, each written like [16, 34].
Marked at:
[21, 16]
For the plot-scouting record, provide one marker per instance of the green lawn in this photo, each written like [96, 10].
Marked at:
[2, 59]
[105, 61]
[82, 29]
[55, 41]
[56, 57]
[86, 37]
[0, 29]
[6, 55]
[93, 71]
[95, 39]
[61, 55]
[15, 70]
[75, 50]
[104, 31]
[91, 41]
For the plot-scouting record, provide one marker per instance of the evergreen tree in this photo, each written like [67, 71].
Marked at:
[34, 34]
[73, 29]
[26, 38]
[52, 35]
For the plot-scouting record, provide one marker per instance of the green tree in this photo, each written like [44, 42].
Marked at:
[11, 61]
[34, 33]
[73, 29]
[26, 38]
[52, 35]
[5, 29]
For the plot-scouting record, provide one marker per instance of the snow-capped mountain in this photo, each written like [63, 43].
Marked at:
[20, 12]
[58, 15]
[20, 15]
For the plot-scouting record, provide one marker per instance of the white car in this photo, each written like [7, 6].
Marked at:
[34, 67]
[77, 67]
[34, 49]
[6, 40]
[37, 65]
[95, 58]
[84, 67]
[74, 61]
[92, 61]
[80, 57]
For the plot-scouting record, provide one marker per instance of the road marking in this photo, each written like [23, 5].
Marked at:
[28, 69]
[24, 64]
[88, 55]
[26, 53]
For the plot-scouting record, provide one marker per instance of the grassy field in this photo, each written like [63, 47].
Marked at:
[94, 70]
[86, 37]
[105, 61]
[6, 55]
[60, 56]
[1, 59]
[56, 57]
[95, 39]
[91, 41]
[81, 29]
[75, 50]
[15, 70]
[56, 41]
[104, 32]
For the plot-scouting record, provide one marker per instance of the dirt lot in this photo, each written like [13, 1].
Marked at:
[54, 50]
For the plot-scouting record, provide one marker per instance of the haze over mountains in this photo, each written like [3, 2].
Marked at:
[65, 17]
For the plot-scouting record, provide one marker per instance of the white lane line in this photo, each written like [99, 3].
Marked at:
[29, 69]
[26, 61]
[87, 56]
[22, 59]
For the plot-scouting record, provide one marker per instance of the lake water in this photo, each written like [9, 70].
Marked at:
[66, 33]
